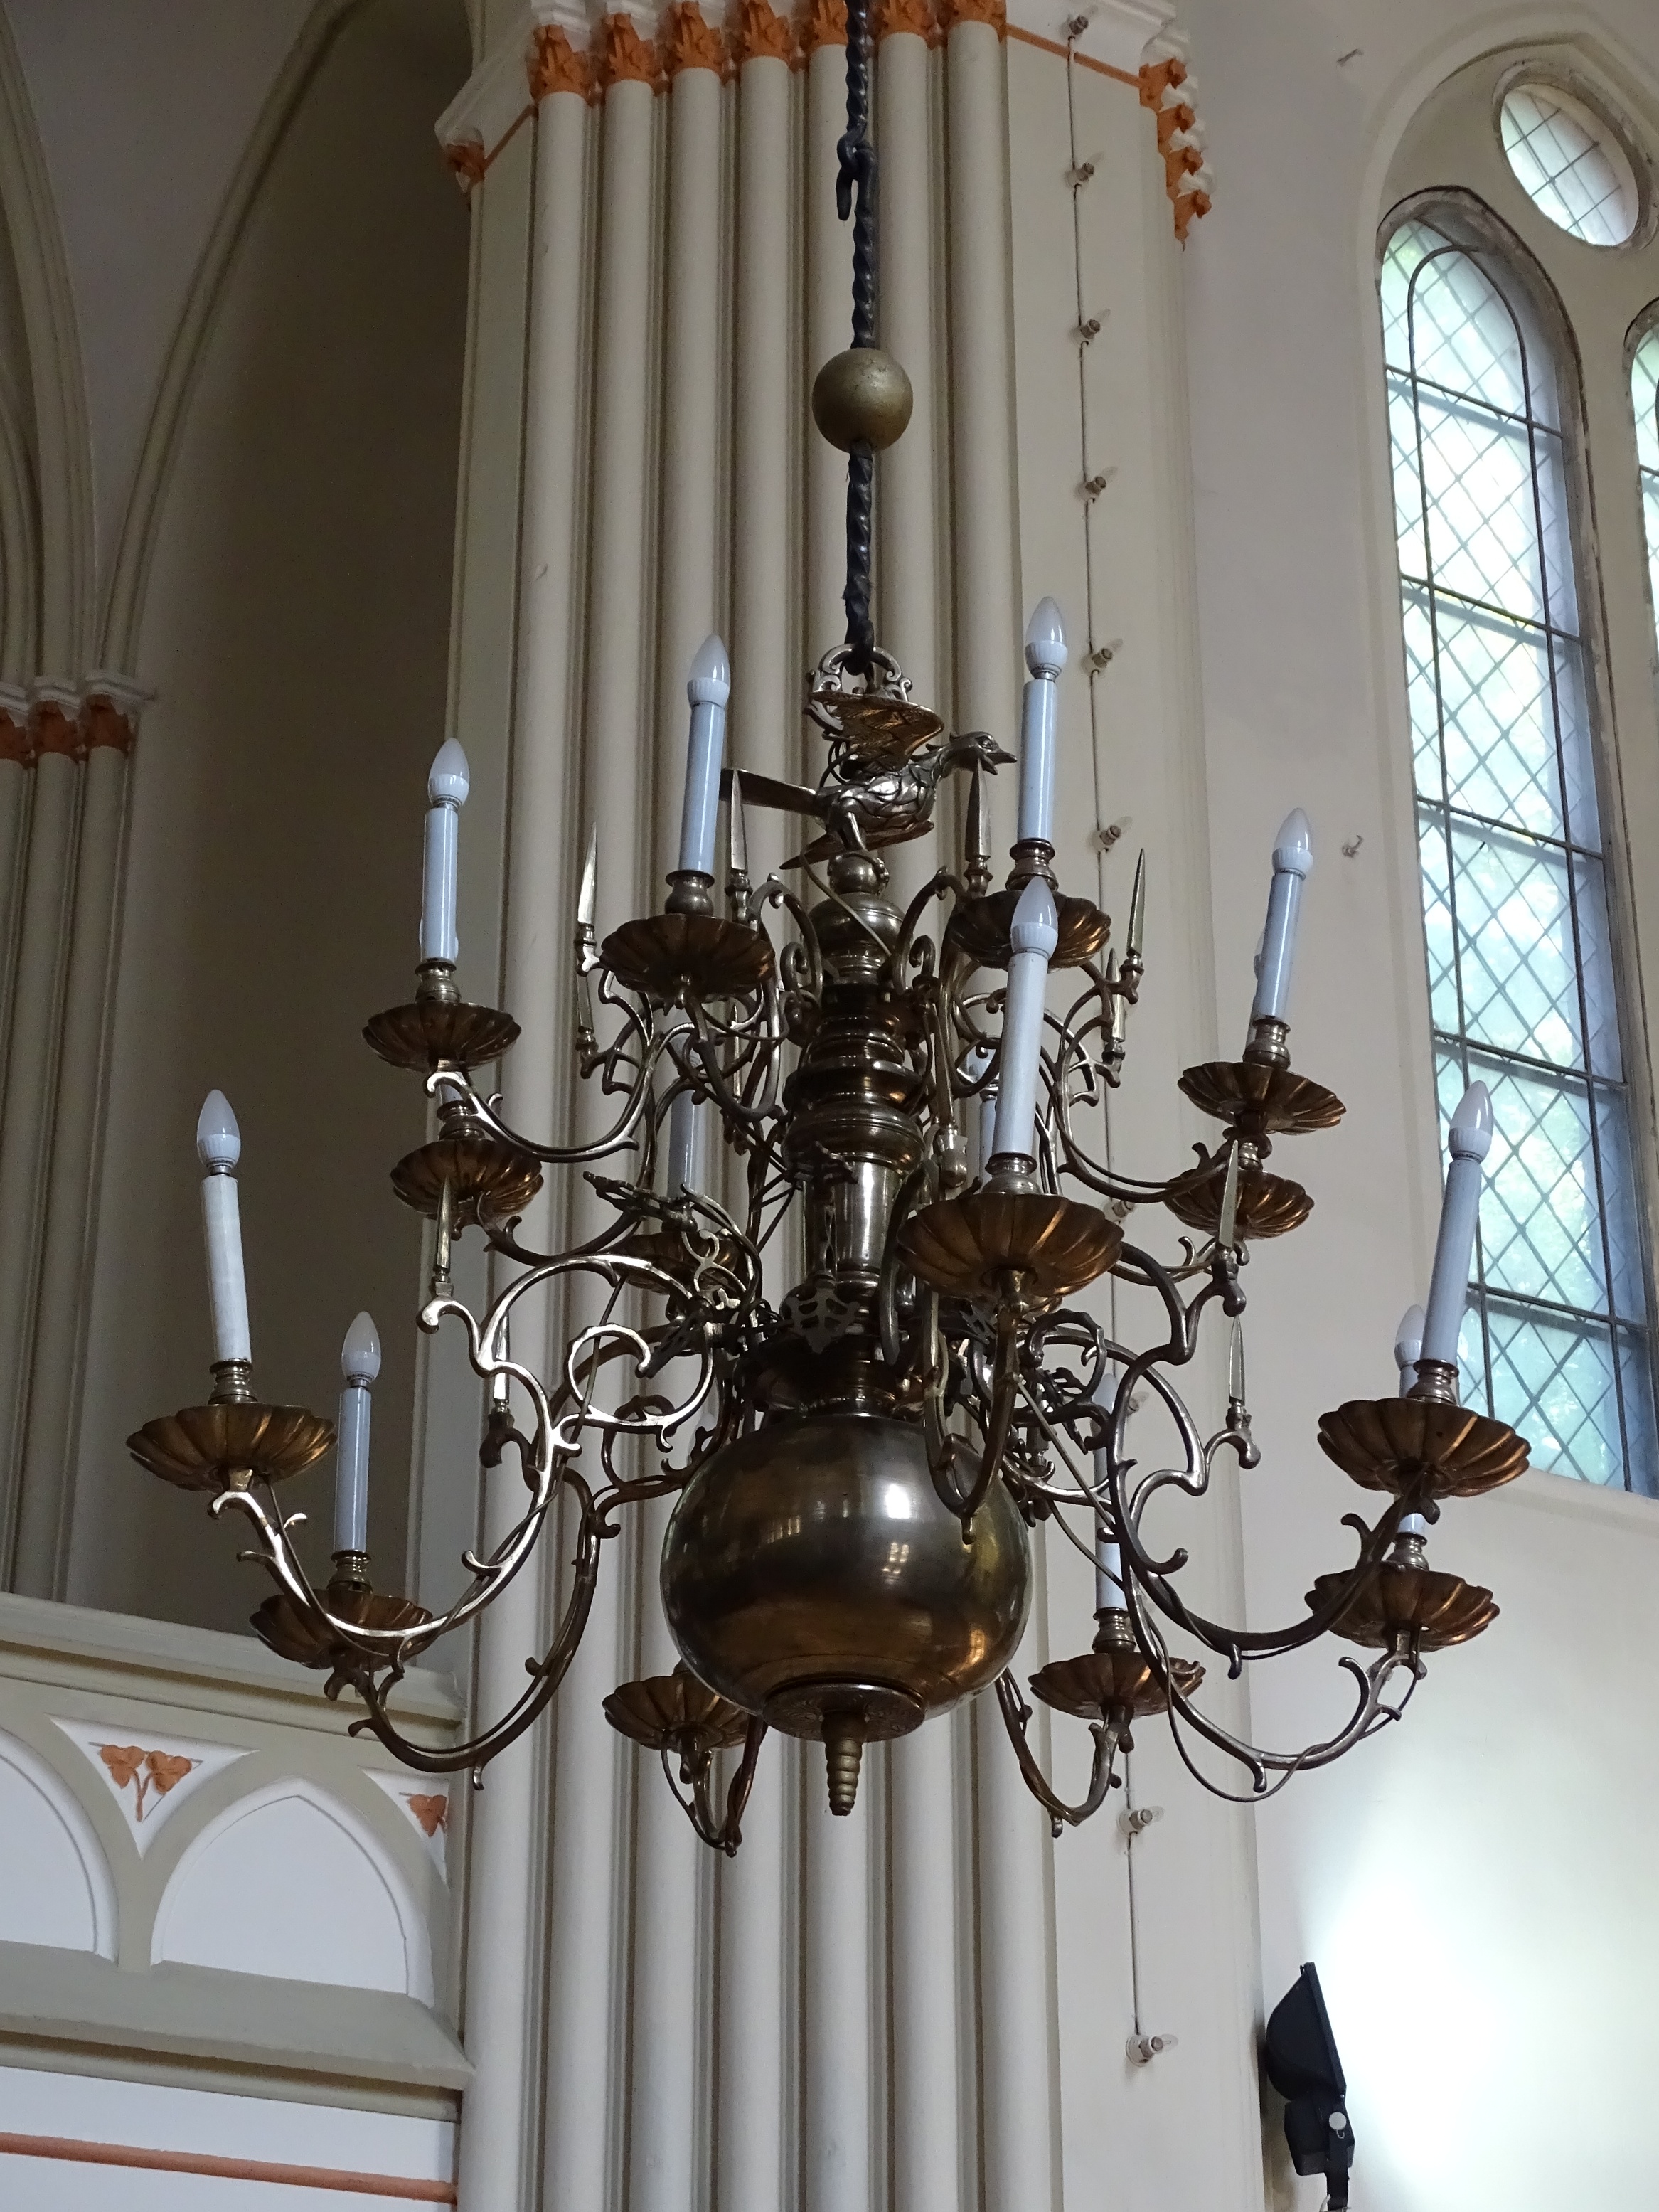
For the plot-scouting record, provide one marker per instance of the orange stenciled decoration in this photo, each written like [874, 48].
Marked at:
[688, 42]
[16, 743]
[56, 731]
[1175, 117]
[467, 161]
[824, 24]
[755, 32]
[555, 65]
[103, 723]
[994, 12]
[433, 1813]
[129, 1765]
[915, 16]
[623, 56]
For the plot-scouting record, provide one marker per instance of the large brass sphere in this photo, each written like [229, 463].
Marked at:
[862, 397]
[815, 1558]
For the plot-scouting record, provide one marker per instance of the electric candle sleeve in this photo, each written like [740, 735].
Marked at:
[1039, 725]
[446, 787]
[360, 1363]
[219, 1147]
[1292, 861]
[1034, 935]
[1109, 1557]
[1468, 1141]
[707, 688]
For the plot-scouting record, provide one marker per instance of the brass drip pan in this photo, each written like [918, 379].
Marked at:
[490, 1181]
[1111, 1685]
[1433, 1610]
[975, 1246]
[676, 1712]
[881, 1710]
[1269, 1101]
[663, 955]
[280, 1623]
[980, 929]
[429, 1034]
[206, 1447]
[1418, 1447]
[1268, 1205]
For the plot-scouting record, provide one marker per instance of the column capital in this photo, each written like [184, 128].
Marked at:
[687, 41]
[555, 65]
[16, 742]
[621, 55]
[755, 32]
[914, 16]
[993, 12]
[824, 24]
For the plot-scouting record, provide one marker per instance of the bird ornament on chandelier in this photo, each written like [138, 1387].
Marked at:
[918, 1136]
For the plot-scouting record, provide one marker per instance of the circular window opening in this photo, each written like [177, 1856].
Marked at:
[1569, 163]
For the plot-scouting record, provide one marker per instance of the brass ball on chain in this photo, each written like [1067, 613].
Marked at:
[862, 397]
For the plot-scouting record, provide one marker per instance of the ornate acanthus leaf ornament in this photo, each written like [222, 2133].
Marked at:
[860, 1343]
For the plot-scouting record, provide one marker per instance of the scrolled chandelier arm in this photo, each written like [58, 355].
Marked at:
[848, 1341]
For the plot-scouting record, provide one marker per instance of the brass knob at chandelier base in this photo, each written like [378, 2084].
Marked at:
[843, 1756]
[862, 397]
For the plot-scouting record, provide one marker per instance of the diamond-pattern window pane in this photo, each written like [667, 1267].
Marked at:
[1569, 164]
[1521, 968]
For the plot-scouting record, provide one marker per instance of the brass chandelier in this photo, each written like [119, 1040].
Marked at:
[919, 1142]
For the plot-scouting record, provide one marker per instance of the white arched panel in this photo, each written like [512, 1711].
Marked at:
[55, 1884]
[288, 1882]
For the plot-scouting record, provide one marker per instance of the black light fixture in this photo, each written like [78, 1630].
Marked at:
[1303, 2066]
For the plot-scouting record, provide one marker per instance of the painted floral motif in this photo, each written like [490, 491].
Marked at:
[432, 1812]
[146, 1773]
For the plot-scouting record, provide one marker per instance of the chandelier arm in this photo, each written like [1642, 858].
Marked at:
[696, 1770]
[710, 1078]
[920, 1180]
[547, 1672]
[1371, 1713]
[1108, 1735]
[614, 1140]
[943, 882]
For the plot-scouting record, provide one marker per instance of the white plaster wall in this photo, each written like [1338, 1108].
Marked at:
[295, 635]
[1476, 1890]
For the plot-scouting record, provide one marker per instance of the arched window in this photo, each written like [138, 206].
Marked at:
[1644, 400]
[1521, 968]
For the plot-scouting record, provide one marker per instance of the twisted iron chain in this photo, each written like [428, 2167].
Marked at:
[855, 198]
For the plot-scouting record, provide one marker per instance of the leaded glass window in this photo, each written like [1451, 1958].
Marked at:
[1644, 398]
[1521, 961]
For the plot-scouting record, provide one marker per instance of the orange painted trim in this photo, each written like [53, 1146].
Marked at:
[402, 2186]
[16, 743]
[1082, 61]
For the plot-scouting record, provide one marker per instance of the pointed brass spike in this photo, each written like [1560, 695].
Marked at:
[1235, 1364]
[976, 837]
[737, 831]
[1132, 936]
[1114, 1008]
[588, 896]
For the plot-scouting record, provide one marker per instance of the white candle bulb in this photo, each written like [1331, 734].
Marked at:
[446, 787]
[1468, 1141]
[1045, 656]
[1408, 1347]
[360, 1363]
[707, 688]
[1293, 860]
[219, 1147]
[1034, 935]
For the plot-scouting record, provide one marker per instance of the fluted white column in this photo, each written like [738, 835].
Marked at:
[754, 2126]
[499, 2165]
[1016, 1995]
[44, 1506]
[16, 785]
[594, 1771]
[671, 2006]
[31, 1070]
[926, 1798]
